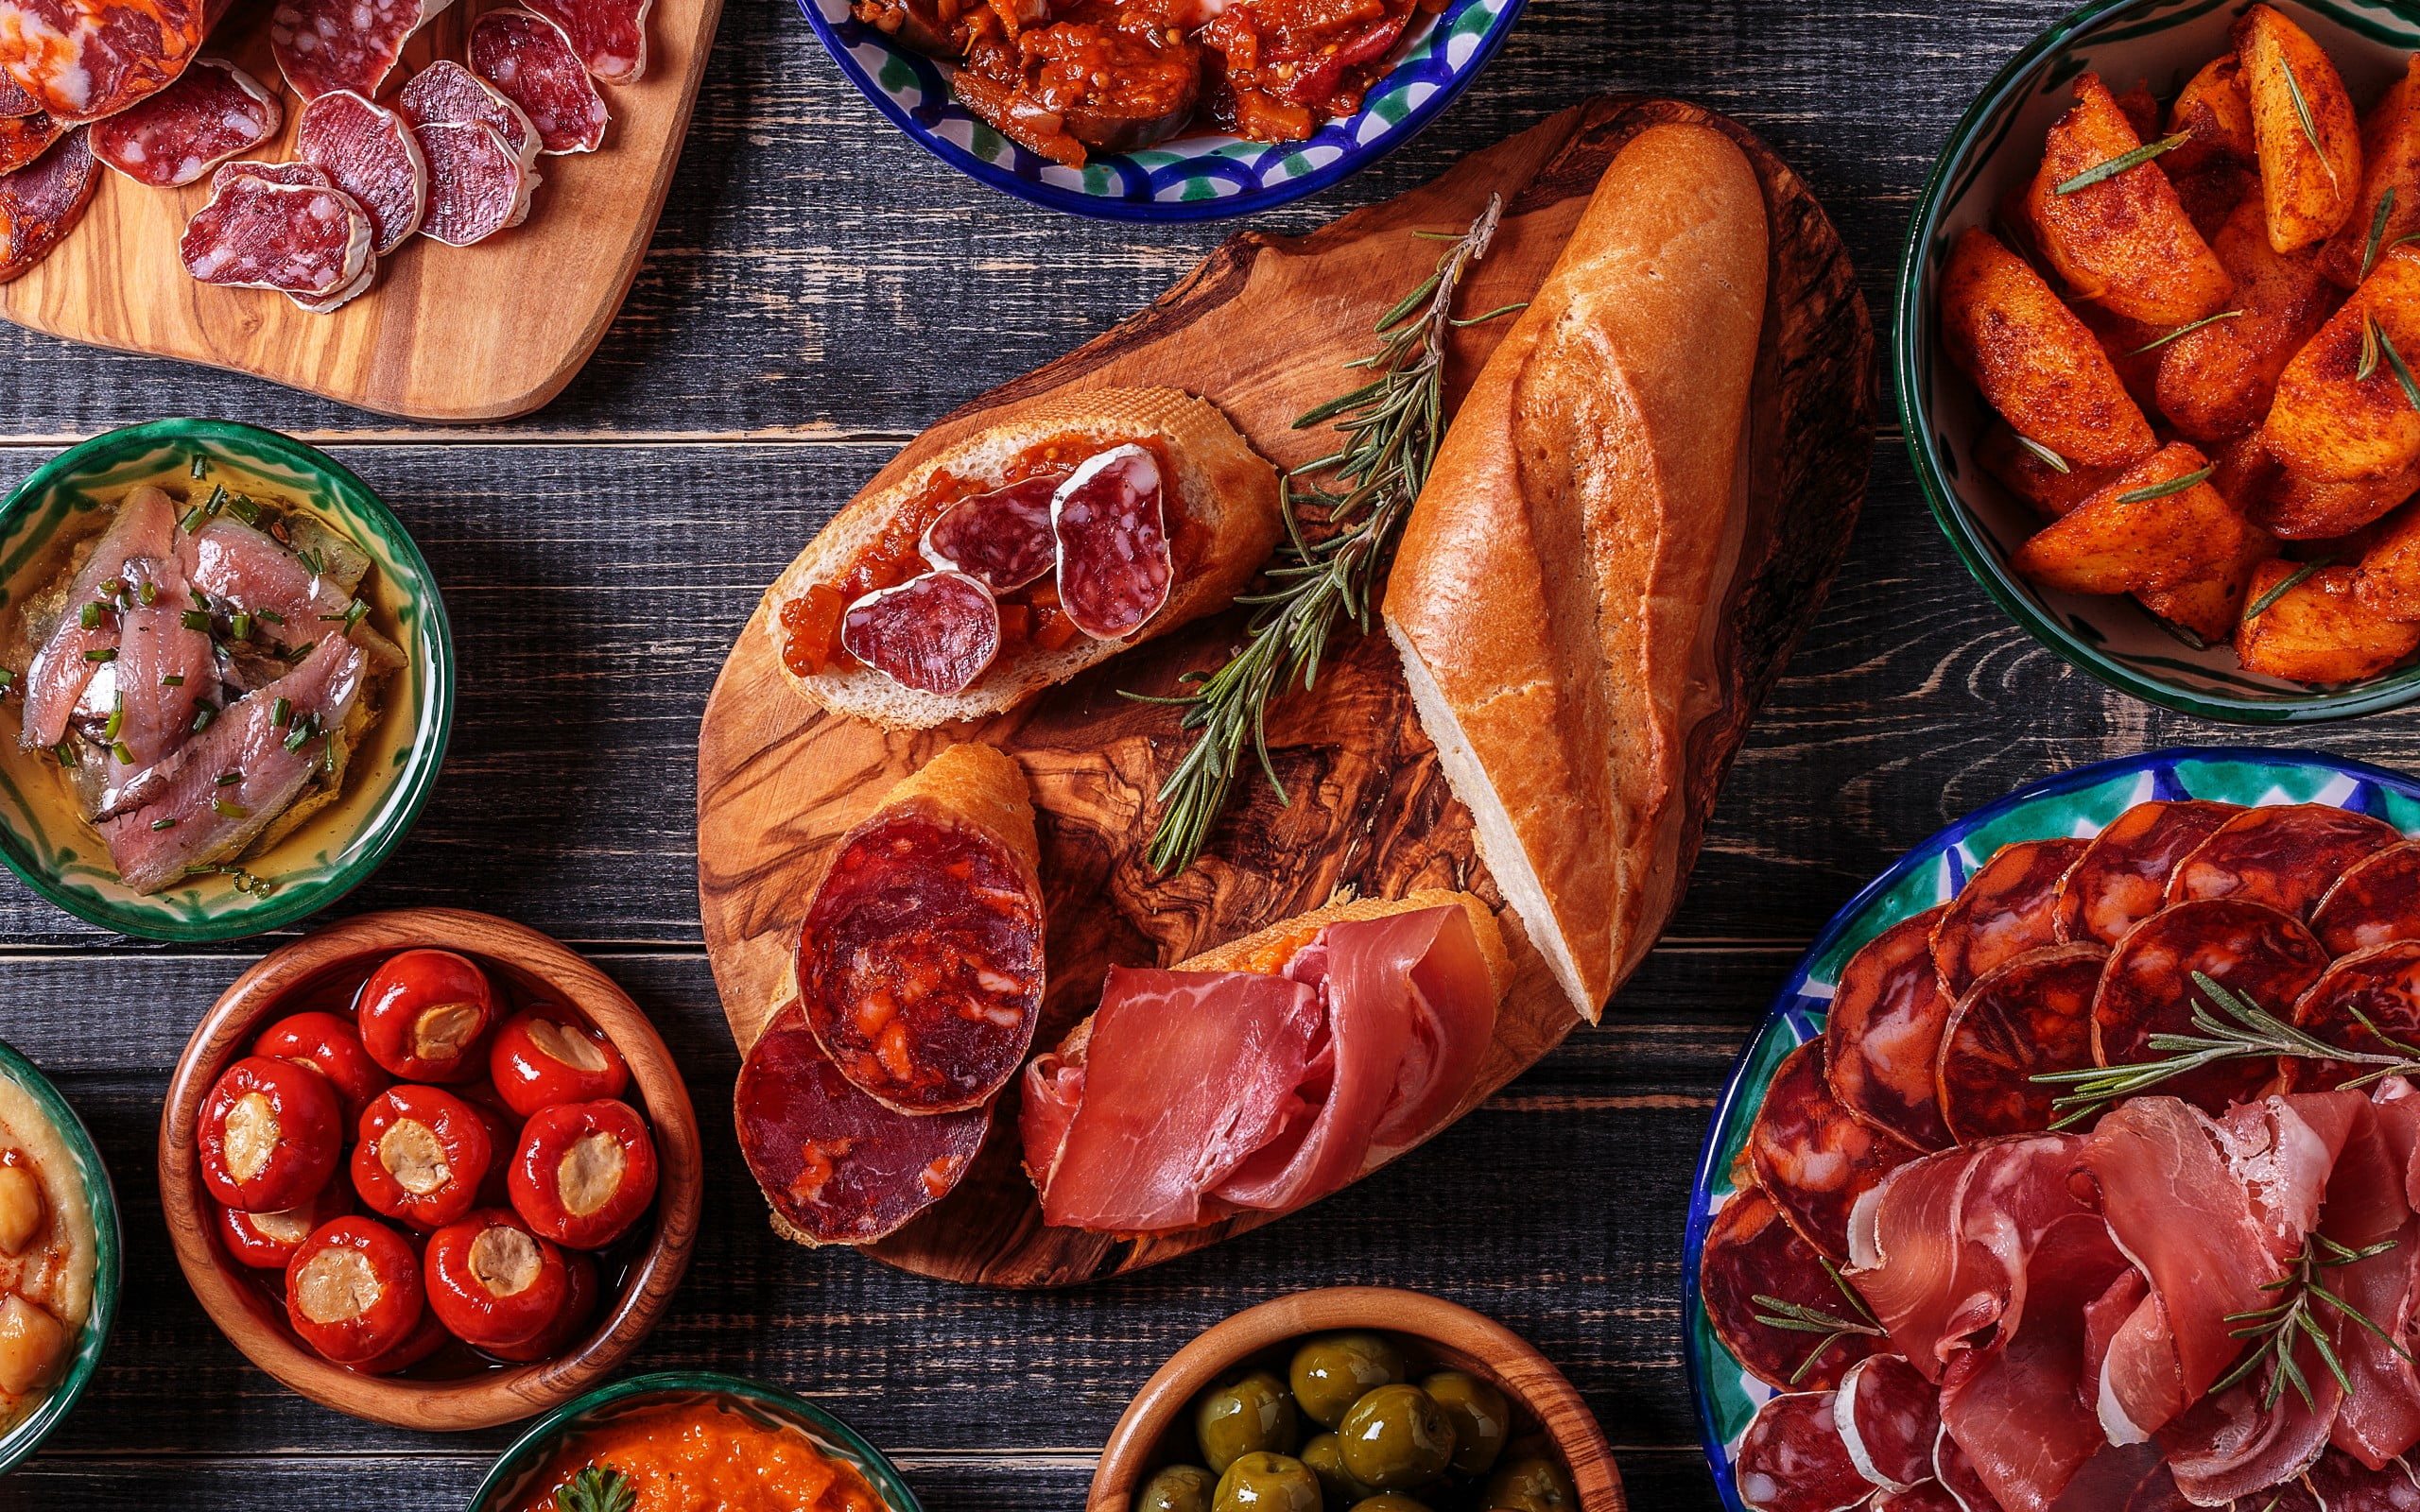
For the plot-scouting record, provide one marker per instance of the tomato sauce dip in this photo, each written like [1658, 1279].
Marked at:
[707, 1457]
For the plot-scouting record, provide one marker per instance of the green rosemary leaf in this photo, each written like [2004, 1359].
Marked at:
[2286, 585]
[2369, 363]
[2302, 114]
[2158, 342]
[2161, 491]
[2395, 360]
[2370, 248]
[2123, 163]
[2048, 458]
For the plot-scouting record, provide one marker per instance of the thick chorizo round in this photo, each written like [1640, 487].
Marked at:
[1812, 1158]
[2024, 1017]
[1793, 1459]
[2286, 855]
[2147, 987]
[2005, 908]
[1888, 1416]
[1883, 1034]
[2380, 985]
[2121, 878]
[1750, 1253]
[2377, 899]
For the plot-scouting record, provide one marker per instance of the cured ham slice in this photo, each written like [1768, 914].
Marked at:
[1930, 1497]
[214, 113]
[1882, 1038]
[24, 137]
[609, 35]
[1749, 1252]
[1793, 1459]
[1002, 538]
[2121, 879]
[2147, 987]
[80, 60]
[309, 243]
[2377, 900]
[370, 154]
[42, 201]
[2366, 1209]
[326, 46]
[2022, 1018]
[2379, 984]
[530, 60]
[2005, 908]
[936, 633]
[1115, 566]
[1889, 1417]
[2286, 857]
[1813, 1159]
[447, 93]
[143, 529]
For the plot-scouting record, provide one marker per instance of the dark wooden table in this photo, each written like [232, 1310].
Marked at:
[821, 289]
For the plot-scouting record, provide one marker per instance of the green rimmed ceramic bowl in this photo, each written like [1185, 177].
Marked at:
[514, 1475]
[47, 844]
[1998, 144]
[27, 1436]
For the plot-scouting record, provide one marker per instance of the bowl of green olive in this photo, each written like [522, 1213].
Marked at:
[1357, 1398]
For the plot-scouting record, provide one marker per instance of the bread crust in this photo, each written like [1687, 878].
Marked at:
[1267, 950]
[1221, 482]
[1555, 598]
[976, 784]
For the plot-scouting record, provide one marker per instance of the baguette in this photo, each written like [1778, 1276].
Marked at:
[1223, 488]
[1555, 600]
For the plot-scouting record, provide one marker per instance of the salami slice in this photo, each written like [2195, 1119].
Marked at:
[1889, 1417]
[2121, 878]
[2008, 906]
[42, 201]
[82, 60]
[1749, 1252]
[1793, 1459]
[1956, 1474]
[286, 173]
[1930, 1497]
[934, 633]
[609, 35]
[214, 113]
[2382, 984]
[2375, 901]
[2286, 857]
[371, 155]
[308, 242]
[477, 185]
[920, 960]
[1812, 1158]
[2024, 1017]
[24, 137]
[2147, 987]
[1002, 539]
[2344, 1484]
[838, 1167]
[1883, 1035]
[326, 46]
[532, 63]
[447, 93]
[1114, 563]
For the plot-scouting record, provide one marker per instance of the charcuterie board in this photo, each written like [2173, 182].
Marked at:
[1262, 328]
[478, 333]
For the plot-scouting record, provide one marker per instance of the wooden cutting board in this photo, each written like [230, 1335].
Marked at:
[1262, 328]
[448, 333]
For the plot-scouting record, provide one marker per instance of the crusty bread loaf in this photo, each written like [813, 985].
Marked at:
[1555, 598]
[1220, 483]
[980, 785]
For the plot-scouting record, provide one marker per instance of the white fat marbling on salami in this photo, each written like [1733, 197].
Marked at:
[1114, 562]
[1793, 1459]
[477, 185]
[609, 35]
[214, 113]
[326, 46]
[83, 60]
[533, 64]
[1888, 1416]
[447, 93]
[934, 633]
[370, 154]
[1003, 537]
[309, 242]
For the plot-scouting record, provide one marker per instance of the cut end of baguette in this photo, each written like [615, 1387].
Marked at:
[1267, 951]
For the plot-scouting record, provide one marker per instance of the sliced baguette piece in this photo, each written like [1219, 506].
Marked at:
[1220, 484]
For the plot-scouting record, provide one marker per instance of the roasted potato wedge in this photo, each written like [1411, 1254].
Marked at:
[2141, 109]
[2141, 532]
[2301, 509]
[2303, 120]
[2217, 381]
[2124, 241]
[2023, 472]
[2390, 585]
[2209, 607]
[2390, 164]
[2214, 113]
[2318, 630]
[2035, 361]
[2332, 423]
[2130, 346]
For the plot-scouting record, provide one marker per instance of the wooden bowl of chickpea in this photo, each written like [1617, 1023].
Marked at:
[59, 1258]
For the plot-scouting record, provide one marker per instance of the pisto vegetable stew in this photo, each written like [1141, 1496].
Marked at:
[680, 1457]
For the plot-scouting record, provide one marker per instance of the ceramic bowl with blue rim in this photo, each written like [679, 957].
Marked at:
[1997, 145]
[516, 1476]
[47, 843]
[2076, 803]
[26, 1435]
[1199, 175]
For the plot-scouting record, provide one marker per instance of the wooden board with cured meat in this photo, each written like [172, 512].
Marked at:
[484, 331]
[779, 781]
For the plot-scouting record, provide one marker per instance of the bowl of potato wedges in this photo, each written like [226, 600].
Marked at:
[2158, 336]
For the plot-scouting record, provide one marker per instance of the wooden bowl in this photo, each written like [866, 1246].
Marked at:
[1456, 1337]
[259, 1328]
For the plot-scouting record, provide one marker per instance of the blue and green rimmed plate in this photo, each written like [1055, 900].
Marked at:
[1996, 145]
[1199, 175]
[27, 1436]
[515, 1475]
[2075, 803]
[46, 843]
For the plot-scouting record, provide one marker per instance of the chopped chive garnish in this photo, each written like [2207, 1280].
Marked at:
[112, 589]
[2377, 231]
[2286, 585]
[148, 594]
[172, 679]
[270, 614]
[2048, 458]
[280, 712]
[90, 617]
[65, 751]
[2161, 491]
[240, 628]
[315, 561]
[200, 599]
[102, 653]
[193, 520]
[194, 619]
[2122, 162]
[244, 510]
[116, 723]
[354, 615]
[2185, 331]
[2394, 360]
[6, 676]
[200, 467]
[229, 809]
[229, 779]
[157, 825]
[301, 735]
[202, 715]
[124, 756]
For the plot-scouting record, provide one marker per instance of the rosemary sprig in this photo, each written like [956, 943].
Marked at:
[2395, 360]
[2162, 490]
[2370, 248]
[597, 1488]
[2048, 458]
[2122, 162]
[2287, 584]
[1391, 428]
[2157, 342]
[2302, 114]
[2369, 363]
[2276, 1329]
[1798, 1318]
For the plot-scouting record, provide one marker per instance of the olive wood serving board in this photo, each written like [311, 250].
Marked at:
[1263, 328]
[478, 333]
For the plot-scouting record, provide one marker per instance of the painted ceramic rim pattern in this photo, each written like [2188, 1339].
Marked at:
[208, 907]
[27, 1436]
[835, 1438]
[2080, 630]
[1200, 176]
[2075, 802]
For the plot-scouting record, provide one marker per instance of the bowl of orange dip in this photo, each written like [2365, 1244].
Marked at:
[682, 1441]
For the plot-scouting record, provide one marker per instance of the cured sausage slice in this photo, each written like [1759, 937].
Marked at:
[212, 113]
[477, 185]
[1956, 1474]
[326, 46]
[41, 202]
[370, 154]
[2344, 1484]
[838, 1167]
[2005, 908]
[1883, 1036]
[24, 137]
[2121, 878]
[2380, 984]
[310, 243]
[1793, 1459]
[2029, 1015]
[286, 173]
[1749, 1252]
[2377, 900]
[80, 60]
[530, 60]
[1113, 563]
[934, 633]
[1812, 1158]
[446, 94]
[2286, 857]
[1888, 1416]
[920, 960]
[609, 36]
[14, 101]
[1930, 1497]
[1002, 538]
[2147, 987]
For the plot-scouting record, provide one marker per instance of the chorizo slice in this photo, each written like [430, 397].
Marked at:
[1888, 1416]
[2147, 987]
[2286, 855]
[2380, 985]
[24, 137]
[1751, 1252]
[41, 202]
[1931, 1496]
[1002, 539]
[2121, 878]
[1812, 1156]
[2376, 900]
[2024, 1017]
[2007, 907]
[1793, 1459]
[1884, 1033]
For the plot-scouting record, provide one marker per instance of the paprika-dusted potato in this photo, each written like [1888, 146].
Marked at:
[2035, 361]
[2142, 531]
[2390, 163]
[2331, 422]
[2318, 630]
[2024, 473]
[2390, 585]
[2210, 605]
[2217, 382]
[2214, 114]
[2125, 240]
[2133, 348]
[2299, 507]
[2309, 140]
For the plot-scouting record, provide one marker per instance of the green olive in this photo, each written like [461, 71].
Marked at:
[1326, 1456]
[1388, 1502]
[1530, 1485]
[1396, 1439]
[1247, 1415]
[1262, 1481]
[1480, 1415]
[1332, 1371]
[1178, 1488]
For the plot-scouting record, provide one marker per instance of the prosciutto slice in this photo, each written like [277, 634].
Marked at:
[2366, 1208]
